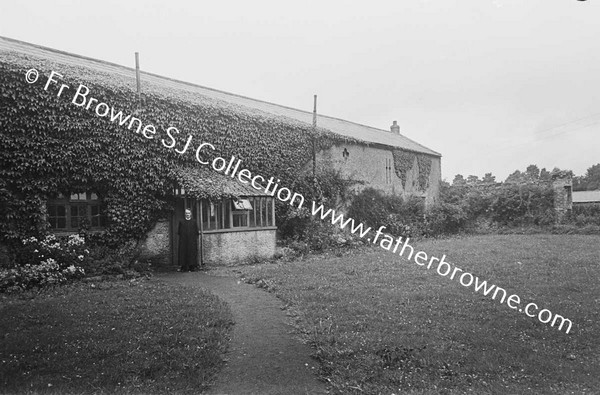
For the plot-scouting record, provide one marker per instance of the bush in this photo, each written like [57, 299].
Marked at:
[48, 261]
[523, 204]
[445, 218]
[489, 207]
[47, 272]
[400, 217]
[584, 215]
[68, 251]
[299, 229]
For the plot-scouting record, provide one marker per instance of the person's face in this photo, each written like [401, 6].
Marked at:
[188, 215]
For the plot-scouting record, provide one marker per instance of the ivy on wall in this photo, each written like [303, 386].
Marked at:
[424, 163]
[49, 146]
[404, 162]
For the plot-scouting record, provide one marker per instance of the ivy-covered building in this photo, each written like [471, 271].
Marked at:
[83, 148]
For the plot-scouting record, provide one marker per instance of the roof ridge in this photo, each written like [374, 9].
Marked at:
[59, 51]
[233, 95]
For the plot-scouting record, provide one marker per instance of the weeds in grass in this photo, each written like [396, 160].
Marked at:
[140, 337]
[381, 325]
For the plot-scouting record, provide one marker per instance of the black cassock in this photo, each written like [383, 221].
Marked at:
[188, 244]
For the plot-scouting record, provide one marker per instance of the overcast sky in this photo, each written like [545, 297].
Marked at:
[493, 85]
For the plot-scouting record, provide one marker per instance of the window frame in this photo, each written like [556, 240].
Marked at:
[260, 216]
[72, 203]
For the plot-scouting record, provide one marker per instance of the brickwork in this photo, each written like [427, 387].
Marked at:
[375, 168]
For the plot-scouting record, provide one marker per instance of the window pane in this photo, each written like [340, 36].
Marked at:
[226, 212]
[260, 212]
[78, 216]
[218, 216]
[240, 218]
[252, 213]
[56, 213]
[205, 215]
[270, 212]
[78, 196]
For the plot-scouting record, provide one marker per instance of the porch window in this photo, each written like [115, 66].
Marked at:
[240, 212]
[248, 212]
[212, 216]
[262, 212]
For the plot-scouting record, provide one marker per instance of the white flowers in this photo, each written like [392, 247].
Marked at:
[48, 260]
[75, 240]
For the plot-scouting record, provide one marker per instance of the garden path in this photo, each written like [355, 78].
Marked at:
[264, 356]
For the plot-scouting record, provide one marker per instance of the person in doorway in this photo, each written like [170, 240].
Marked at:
[188, 243]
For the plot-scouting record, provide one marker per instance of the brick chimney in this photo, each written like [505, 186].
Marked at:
[395, 128]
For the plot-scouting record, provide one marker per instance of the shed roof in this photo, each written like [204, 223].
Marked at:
[586, 196]
[204, 183]
[117, 75]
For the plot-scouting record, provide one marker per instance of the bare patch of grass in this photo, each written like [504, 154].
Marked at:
[112, 337]
[381, 324]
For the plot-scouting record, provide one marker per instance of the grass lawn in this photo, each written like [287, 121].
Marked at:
[114, 337]
[381, 324]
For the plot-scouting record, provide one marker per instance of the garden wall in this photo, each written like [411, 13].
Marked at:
[235, 246]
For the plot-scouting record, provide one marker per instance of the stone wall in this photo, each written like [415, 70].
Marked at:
[220, 247]
[230, 247]
[371, 165]
[156, 246]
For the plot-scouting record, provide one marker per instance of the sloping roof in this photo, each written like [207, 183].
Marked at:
[125, 76]
[586, 196]
[203, 183]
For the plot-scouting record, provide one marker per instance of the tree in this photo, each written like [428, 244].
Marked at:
[592, 177]
[515, 178]
[488, 178]
[472, 180]
[459, 180]
[532, 172]
[545, 175]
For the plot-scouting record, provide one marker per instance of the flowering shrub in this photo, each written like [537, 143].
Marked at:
[44, 262]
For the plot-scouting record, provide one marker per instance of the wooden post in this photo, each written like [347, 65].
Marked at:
[273, 212]
[199, 207]
[314, 148]
[137, 79]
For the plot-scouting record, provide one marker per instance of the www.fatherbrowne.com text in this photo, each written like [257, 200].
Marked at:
[232, 167]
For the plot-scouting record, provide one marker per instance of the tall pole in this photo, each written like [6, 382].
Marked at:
[137, 79]
[314, 148]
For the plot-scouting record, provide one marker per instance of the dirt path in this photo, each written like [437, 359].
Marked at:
[264, 356]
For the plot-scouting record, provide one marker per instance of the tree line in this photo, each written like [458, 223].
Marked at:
[590, 181]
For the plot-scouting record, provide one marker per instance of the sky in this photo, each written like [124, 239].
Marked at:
[493, 85]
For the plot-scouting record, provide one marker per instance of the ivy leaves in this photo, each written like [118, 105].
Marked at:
[49, 146]
[404, 162]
